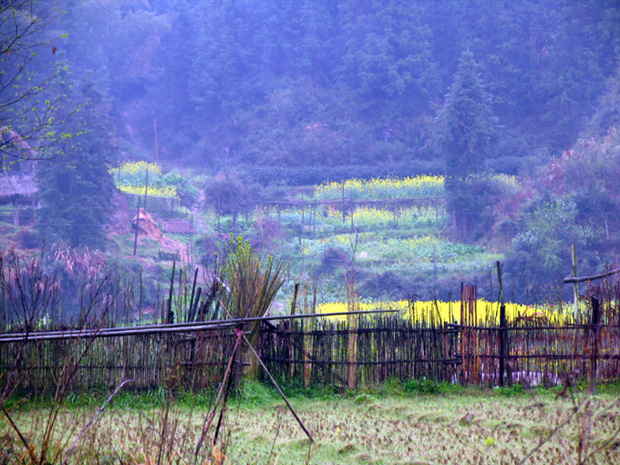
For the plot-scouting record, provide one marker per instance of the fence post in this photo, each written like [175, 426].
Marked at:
[575, 286]
[463, 336]
[307, 343]
[503, 331]
[502, 344]
[594, 355]
[135, 242]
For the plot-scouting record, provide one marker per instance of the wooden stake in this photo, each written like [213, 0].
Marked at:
[146, 186]
[294, 302]
[170, 316]
[135, 242]
[275, 384]
[156, 142]
[503, 333]
[575, 286]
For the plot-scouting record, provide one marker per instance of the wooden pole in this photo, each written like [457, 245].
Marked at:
[156, 142]
[463, 336]
[165, 328]
[595, 331]
[503, 333]
[191, 300]
[575, 286]
[135, 241]
[294, 301]
[146, 186]
[170, 316]
[581, 279]
[275, 384]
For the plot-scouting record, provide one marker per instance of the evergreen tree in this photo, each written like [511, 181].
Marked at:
[466, 128]
[32, 90]
[466, 131]
[607, 113]
[75, 190]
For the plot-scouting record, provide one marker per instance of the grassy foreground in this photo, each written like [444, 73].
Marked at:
[467, 427]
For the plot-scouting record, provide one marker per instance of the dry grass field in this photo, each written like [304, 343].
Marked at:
[508, 426]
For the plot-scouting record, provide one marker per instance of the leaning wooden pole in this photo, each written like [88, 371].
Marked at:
[163, 328]
[170, 315]
[582, 279]
[575, 286]
[135, 241]
[275, 384]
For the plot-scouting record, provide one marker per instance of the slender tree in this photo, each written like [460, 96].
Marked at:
[466, 131]
[32, 86]
[76, 190]
[466, 125]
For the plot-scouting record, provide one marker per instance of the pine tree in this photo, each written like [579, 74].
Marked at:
[466, 131]
[466, 127]
[76, 189]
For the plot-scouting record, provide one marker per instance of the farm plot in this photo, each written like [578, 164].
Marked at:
[389, 230]
[465, 428]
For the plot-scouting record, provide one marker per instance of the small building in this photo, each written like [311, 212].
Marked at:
[19, 190]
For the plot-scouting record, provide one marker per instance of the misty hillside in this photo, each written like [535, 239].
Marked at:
[337, 83]
[248, 104]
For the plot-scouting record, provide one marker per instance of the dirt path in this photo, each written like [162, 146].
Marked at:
[197, 207]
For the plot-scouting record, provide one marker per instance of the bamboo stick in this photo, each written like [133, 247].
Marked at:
[163, 328]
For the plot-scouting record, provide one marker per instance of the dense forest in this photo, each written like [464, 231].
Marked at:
[282, 93]
[339, 83]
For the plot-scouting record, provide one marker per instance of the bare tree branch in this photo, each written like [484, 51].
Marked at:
[32, 90]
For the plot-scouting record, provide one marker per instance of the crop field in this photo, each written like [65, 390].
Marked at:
[487, 312]
[389, 230]
[383, 228]
[132, 178]
[403, 424]
[386, 188]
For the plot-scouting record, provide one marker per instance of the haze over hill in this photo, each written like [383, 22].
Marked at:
[247, 100]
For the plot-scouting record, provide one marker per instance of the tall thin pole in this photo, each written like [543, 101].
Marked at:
[503, 332]
[135, 241]
[146, 186]
[575, 286]
[156, 142]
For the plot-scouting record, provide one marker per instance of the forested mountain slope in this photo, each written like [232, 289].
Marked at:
[242, 101]
[333, 83]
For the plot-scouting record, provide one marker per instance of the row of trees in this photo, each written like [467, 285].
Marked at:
[330, 83]
[49, 116]
[309, 83]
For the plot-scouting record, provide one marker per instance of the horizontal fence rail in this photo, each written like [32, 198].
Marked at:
[362, 350]
[192, 360]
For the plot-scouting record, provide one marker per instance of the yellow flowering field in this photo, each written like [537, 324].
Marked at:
[450, 312]
[369, 216]
[166, 192]
[137, 168]
[383, 188]
[130, 178]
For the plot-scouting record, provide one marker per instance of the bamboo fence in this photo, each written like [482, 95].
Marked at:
[535, 354]
[361, 351]
[317, 353]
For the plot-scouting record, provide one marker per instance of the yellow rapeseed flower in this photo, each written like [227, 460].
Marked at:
[167, 192]
[450, 312]
[383, 188]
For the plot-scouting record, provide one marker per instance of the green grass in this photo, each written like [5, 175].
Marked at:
[404, 244]
[398, 423]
